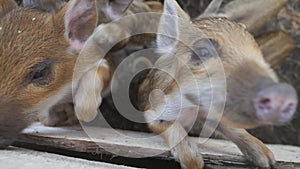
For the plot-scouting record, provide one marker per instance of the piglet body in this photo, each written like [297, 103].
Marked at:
[214, 68]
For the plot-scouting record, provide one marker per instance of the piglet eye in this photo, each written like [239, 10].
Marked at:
[204, 52]
[204, 48]
[200, 53]
[41, 74]
[195, 56]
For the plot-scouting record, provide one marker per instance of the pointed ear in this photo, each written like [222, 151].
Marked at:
[114, 9]
[80, 20]
[212, 8]
[6, 6]
[168, 29]
[45, 5]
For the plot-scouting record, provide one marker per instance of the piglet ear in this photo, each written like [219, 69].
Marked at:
[169, 24]
[51, 6]
[6, 6]
[81, 18]
[114, 9]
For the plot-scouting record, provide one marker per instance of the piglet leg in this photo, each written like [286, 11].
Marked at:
[87, 98]
[182, 148]
[253, 149]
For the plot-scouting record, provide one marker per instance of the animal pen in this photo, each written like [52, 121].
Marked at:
[121, 143]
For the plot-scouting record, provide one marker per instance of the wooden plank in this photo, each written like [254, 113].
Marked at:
[15, 158]
[75, 139]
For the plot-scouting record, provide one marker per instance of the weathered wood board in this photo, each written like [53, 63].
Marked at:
[17, 158]
[219, 152]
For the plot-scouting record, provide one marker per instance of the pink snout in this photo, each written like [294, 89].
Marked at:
[276, 104]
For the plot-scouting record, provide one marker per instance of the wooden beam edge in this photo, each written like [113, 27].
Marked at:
[107, 142]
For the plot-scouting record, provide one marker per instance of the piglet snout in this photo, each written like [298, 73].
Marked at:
[276, 104]
[12, 121]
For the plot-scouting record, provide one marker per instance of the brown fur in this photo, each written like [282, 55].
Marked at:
[106, 73]
[25, 55]
[30, 40]
[45, 5]
[6, 6]
[171, 133]
[12, 122]
[33, 36]
[235, 66]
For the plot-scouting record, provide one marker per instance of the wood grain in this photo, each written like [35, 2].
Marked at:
[137, 144]
[15, 158]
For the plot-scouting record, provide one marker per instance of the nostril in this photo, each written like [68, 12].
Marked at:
[289, 108]
[265, 104]
[275, 104]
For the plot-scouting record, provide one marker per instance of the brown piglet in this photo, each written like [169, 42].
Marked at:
[212, 71]
[38, 52]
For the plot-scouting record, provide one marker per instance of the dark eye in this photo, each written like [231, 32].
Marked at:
[204, 52]
[204, 48]
[41, 73]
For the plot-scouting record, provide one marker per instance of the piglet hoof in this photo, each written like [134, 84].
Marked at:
[192, 163]
[71, 118]
[191, 158]
[196, 162]
[60, 115]
[87, 112]
[262, 157]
